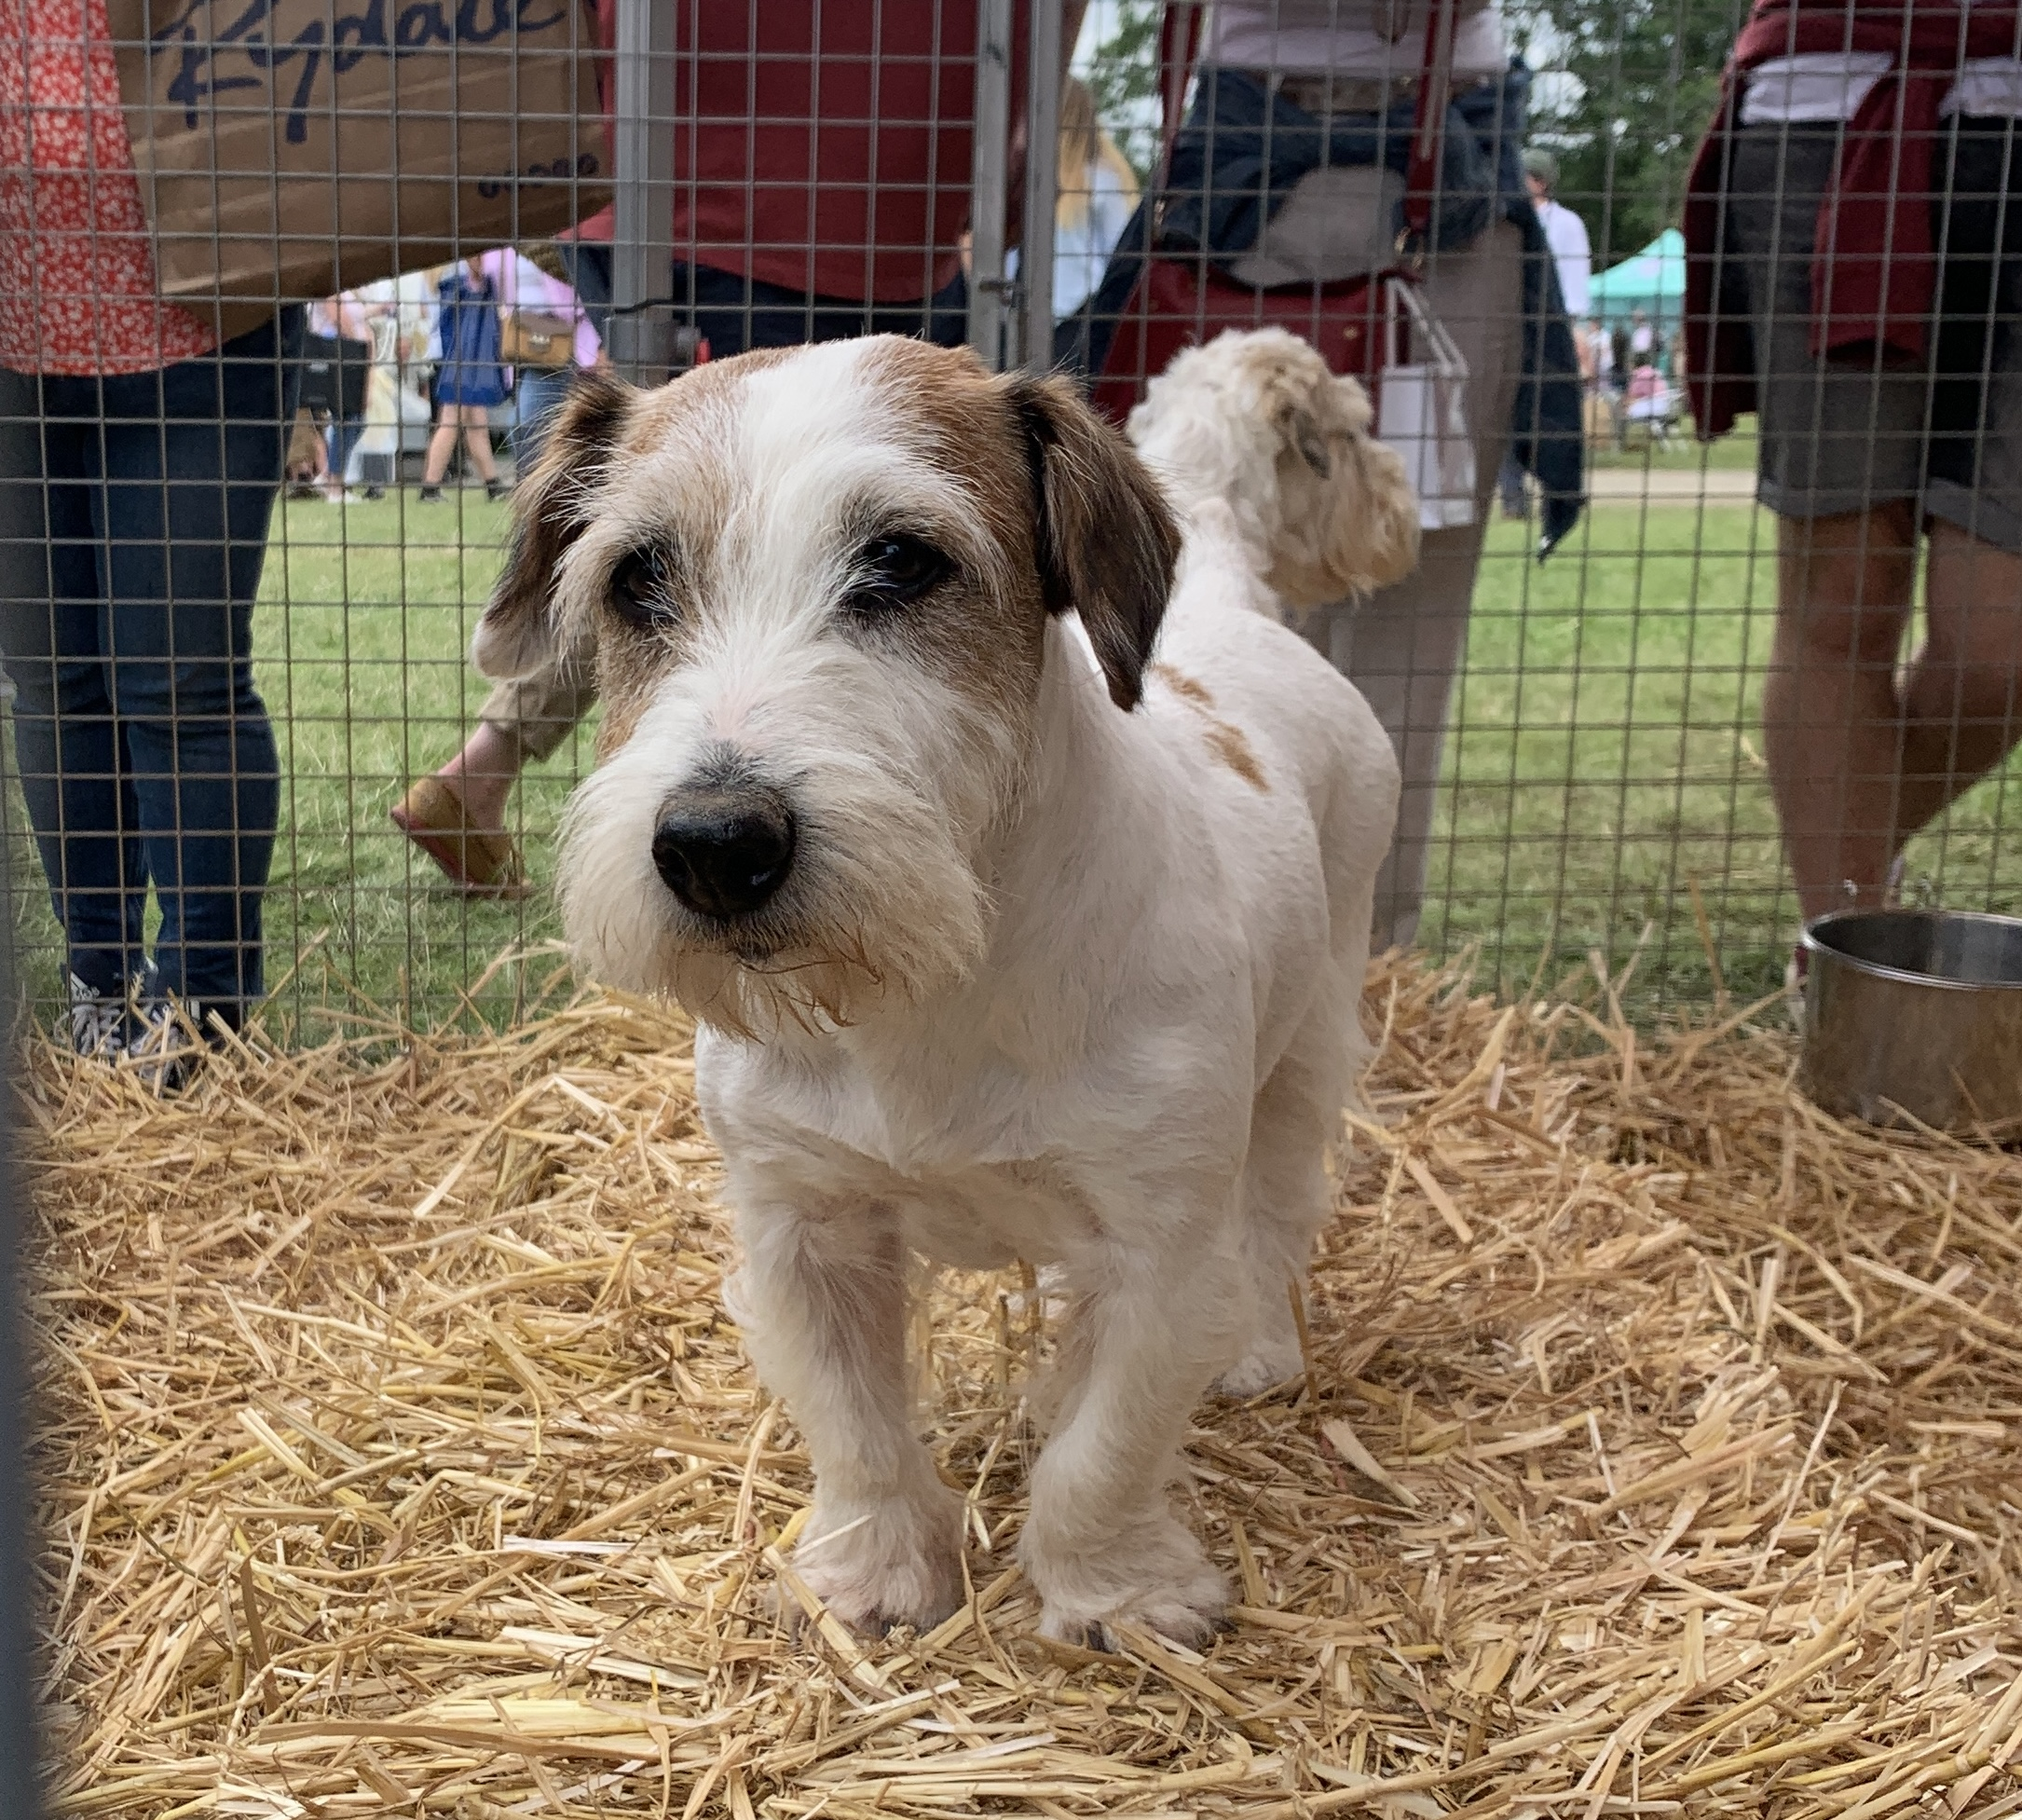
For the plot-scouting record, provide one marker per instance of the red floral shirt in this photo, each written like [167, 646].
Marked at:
[76, 270]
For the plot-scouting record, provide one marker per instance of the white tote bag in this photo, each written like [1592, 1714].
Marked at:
[1422, 409]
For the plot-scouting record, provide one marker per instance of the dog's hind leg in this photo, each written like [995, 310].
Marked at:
[1287, 1190]
[1296, 1118]
[1102, 1544]
[1286, 1197]
[822, 1302]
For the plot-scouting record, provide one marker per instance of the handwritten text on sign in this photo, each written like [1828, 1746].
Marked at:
[363, 31]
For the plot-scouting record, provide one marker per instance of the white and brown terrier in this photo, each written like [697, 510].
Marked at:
[1004, 942]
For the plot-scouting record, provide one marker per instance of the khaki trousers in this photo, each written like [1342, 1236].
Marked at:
[539, 712]
[1404, 646]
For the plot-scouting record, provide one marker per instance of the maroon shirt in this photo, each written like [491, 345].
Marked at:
[825, 145]
[1877, 282]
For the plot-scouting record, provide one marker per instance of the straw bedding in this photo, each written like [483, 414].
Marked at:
[1657, 1454]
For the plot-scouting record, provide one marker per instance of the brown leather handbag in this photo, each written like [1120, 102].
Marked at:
[535, 337]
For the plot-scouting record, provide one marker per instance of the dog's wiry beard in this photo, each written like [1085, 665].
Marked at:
[883, 906]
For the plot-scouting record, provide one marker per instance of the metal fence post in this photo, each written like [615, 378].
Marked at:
[642, 228]
[989, 166]
[1042, 182]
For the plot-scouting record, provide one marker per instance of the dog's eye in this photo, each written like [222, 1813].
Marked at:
[639, 592]
[892, 571]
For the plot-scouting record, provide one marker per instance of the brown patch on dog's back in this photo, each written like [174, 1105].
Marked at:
[1229, 745]
[1226, 743]
[1183, 685]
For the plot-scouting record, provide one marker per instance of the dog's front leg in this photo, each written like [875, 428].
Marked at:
[1102, 1544]
[822, 1302]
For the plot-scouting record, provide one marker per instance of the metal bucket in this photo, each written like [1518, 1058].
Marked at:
[1915, 1012]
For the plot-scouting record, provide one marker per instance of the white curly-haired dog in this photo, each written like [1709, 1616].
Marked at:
[1269, 459]
[1003, 944]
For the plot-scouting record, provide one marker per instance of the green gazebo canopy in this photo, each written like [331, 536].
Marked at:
[1652, 280]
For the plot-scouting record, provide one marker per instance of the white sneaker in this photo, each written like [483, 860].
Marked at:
[98, 1024]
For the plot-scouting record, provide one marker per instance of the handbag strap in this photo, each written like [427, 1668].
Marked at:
[1179, 51]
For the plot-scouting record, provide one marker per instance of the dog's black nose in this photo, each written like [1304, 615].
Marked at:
[724, 852]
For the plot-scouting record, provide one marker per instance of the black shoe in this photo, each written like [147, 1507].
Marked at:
[376, 493]
[497, 489]
[431, 495]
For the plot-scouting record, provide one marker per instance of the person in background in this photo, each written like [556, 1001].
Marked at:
[804, 211]
[1647, 402]
[1619, 355]
[1598, 362]
[1597, 367]
[1853, 276]
[1097, 195]
[470, 381]
[401, 314]
[435, 813]
[139, 464]
[372, 452]
[1572, 253]
[336, 353]
[1565, 233]
[1303, 89]
[1642, 339]
[533, 286]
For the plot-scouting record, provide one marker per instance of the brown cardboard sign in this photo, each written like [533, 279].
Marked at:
[294, 148]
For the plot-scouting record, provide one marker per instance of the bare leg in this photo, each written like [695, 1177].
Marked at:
[477, 439]
[1102, 1543]
[442, 444]
[1960, 696]
[1833, 729]
[484, 772]
[822, 1301]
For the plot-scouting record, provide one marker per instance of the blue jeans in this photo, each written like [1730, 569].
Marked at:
[539, 391]
[339, 438]
[133, 522]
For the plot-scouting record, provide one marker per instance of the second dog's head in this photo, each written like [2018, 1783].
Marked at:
[817, 583]
[1255, 420]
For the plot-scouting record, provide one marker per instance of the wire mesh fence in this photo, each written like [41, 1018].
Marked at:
[1588, 778]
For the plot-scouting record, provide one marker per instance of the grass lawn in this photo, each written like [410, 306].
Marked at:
[1602, 758]
[1681, 455]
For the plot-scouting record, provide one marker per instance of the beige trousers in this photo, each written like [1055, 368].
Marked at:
[539, 712]
[1404, 646]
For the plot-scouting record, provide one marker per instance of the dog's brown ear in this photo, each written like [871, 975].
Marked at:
[516, 635]
[1104, 537]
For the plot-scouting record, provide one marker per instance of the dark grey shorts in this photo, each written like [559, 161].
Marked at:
[1843, 434]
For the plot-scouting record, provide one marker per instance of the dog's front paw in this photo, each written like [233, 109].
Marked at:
[1167, 1586]
[1263, 1366]
[896, 1565]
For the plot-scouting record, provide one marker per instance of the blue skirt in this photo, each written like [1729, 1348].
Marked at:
[469, 382]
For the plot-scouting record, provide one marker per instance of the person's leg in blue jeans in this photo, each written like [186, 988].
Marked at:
[180, 471]
[542, 390]
[193, 460]
[70, 757]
